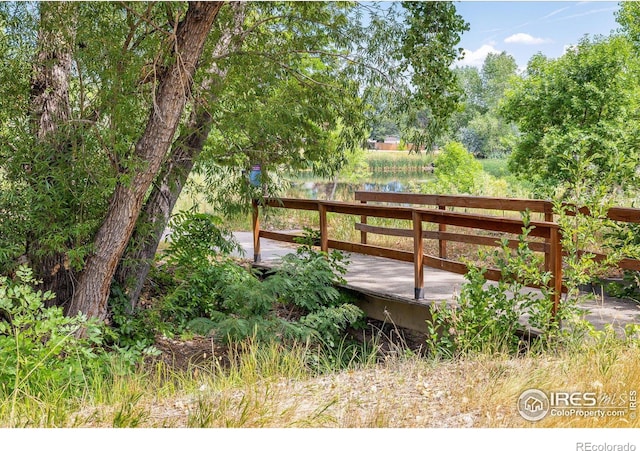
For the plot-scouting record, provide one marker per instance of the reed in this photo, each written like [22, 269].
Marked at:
[399, 162]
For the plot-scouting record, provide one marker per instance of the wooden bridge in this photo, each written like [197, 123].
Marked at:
[483, 221]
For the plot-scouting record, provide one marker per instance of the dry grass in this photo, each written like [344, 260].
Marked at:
[271, 388]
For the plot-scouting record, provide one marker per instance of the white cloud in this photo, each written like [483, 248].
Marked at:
[524, 38]
[476, 57]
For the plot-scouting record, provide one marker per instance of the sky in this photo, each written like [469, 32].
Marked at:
[524, 28]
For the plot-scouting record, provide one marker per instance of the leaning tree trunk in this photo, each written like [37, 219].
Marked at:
[125, 206]
[134, 267]
[50, 112]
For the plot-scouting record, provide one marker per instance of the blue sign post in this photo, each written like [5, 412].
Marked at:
[255, 175]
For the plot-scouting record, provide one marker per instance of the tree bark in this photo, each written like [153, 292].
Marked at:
[134, 267]
[50, 109]
[125, 206]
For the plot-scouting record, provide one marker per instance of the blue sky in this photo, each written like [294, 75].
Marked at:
[523, 29]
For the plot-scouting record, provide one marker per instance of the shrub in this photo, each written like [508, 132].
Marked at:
[488, 316]
[456, 169]
[218, 297]
[38, 345]
[196, 238]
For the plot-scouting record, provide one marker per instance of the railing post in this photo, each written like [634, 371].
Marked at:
[256, 231]
[418, 255]
[548, 217]
[363, 220]
[442, 244]
[556, 269]
[324, 237]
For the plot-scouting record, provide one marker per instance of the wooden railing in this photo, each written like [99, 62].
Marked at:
[417, 216]
[546, 232]
[488, 205]
[444, 202]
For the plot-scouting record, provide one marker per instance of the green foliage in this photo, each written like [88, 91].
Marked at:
[628, 287]
[588, 127]
[330, 323]
[202, 326]
[385, 163]
[131, 332]
[629, 17]
[186, 280]
[308, 281]
[487, 317]
[287, 102]
[198, 292]
[298, 99]
[586, 230]
[196, 238]
[626, 239]
[487, 136]
[61, 184]
[581, 208]
[496, 167]
[475, 103]
[429, 48]
[222, 299]
[381, 126]
[497, 73]
[226, 295]
[456, 169]
[412, 90]
[357, 167]
[39, 348]
[477, 124]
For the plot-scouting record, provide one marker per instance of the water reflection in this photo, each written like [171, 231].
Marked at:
[391, 187]
[323, 190]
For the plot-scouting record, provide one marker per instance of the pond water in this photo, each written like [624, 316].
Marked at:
[345, 191]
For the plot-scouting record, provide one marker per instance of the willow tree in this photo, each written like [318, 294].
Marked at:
[86, 142]
[156, 89]
[50, 111]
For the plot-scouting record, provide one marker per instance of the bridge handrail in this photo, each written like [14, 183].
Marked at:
[547, 230]
[442, 201]
[622, 214]
[447, 200]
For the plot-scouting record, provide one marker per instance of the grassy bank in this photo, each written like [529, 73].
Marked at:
[398, 162]
[496, 167]
[273, 387]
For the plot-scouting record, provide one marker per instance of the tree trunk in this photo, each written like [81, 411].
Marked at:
[125, 206]
[134, 267]
[50, 109]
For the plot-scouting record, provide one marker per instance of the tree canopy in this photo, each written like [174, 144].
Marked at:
[105, 109]
[478, 124]
[578, 115]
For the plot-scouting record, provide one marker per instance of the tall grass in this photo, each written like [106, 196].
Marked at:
[496, 167]
[399, 162]
[276, 387]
